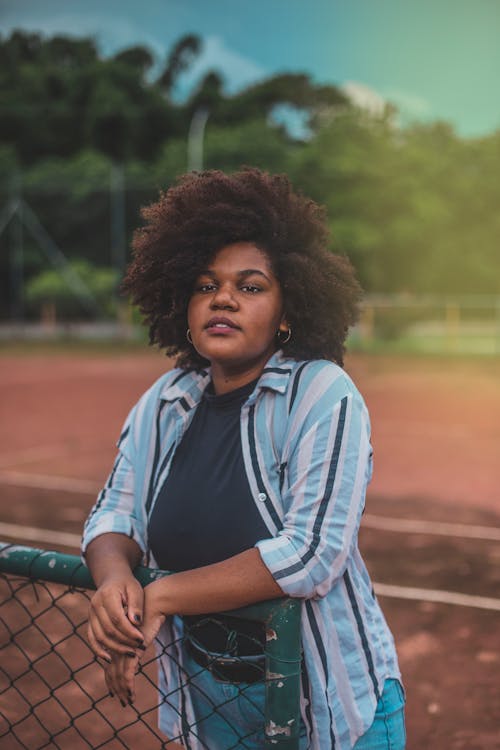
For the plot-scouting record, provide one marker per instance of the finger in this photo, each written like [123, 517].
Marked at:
[96, 647]
[135, 602]
[111, 610]
[124, 678]
[110, 674]
[151, 627]
[113, 679]
[108, 682]
[127, 678]
[107, 639]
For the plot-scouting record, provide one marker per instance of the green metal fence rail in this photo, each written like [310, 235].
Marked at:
[52, 691]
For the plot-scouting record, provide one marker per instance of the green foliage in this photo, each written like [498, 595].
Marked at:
[253, 142]
[410, 207]
[259, 100]
[416, 209]
[59, 97]
[75, 291]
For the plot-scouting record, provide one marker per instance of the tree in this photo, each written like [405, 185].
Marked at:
[180, 58]
[59, 97]
[96, 287]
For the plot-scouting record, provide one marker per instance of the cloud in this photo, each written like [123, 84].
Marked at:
[364, 97]
[409, 106]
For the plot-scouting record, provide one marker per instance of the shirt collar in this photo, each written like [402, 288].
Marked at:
[276, 373]
[191, 384]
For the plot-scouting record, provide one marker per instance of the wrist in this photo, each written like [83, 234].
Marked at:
[112, 557]
[117, 574]
[157, 599]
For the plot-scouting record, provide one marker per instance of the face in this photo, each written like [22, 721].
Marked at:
[234, 314]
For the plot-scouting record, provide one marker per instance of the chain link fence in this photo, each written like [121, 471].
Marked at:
[52, 689]
[427, 324]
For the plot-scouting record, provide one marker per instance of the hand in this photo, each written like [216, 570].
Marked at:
[116, 612]
[121, 669]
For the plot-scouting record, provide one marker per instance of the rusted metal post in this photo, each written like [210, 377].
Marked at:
[283, 664]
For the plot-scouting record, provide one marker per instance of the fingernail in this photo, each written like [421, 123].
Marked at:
[129, 693]
[112, 695]
[131, 654]
[141, 646]
[137, 618]
[123, 703]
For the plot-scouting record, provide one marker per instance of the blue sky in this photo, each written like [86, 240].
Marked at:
[435, 59]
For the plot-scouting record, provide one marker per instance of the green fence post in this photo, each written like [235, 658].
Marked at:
[57, 567]
[283, 663]
[281, 618]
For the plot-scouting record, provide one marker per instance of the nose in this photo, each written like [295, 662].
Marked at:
[224, 298]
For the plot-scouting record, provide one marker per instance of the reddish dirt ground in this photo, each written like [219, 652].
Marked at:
[436, 435]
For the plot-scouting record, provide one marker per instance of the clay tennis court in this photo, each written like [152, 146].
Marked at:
[436, 434]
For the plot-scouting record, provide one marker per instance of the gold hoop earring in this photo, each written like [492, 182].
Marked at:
[288, 336]
[188, 336]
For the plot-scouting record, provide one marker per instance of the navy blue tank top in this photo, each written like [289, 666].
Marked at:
[205, 511]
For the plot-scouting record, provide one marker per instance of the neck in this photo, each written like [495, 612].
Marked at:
[225, 380]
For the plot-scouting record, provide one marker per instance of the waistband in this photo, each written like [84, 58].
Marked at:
[226, 635]
[227, 668]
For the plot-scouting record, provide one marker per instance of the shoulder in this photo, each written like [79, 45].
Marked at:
[321, 381]
[169, 387]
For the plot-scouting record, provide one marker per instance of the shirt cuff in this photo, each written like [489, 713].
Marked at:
[108, 523]
[280, 557]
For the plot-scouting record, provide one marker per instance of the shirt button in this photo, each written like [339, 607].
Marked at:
[262, 497]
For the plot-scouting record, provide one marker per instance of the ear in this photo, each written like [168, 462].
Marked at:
[283, 326]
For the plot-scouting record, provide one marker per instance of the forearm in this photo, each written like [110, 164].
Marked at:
[116, 609]
[237, 582]
[112, 554]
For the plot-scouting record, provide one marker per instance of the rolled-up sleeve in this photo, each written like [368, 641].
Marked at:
[328, 469]
[117, 509]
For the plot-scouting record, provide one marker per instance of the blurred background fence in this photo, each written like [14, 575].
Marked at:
[65, 231]
[467, 324]
[52, 691]
[87, 138]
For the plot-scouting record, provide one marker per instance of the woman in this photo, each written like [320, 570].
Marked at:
[244, 471]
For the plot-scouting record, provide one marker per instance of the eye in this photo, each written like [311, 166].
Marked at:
[251, 288]
[208, 286]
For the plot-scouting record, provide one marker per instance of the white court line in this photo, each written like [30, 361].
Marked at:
[47, 536]
[434, 595]
[35, 453]
[369, 521]
[27, 533]
[413, 526]
[46, 482]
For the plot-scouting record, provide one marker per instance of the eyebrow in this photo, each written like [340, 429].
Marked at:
[241, 274]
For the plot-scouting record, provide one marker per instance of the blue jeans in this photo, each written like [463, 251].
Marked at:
[232, 715]
[388, 729]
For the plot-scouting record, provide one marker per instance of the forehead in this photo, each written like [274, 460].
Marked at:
[240, 256]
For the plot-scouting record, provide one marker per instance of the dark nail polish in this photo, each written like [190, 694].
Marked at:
[123, 703]
[112, 695]
[141, 646]
[131, 654]
[137, 618]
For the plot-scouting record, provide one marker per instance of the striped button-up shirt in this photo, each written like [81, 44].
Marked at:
[305, 436]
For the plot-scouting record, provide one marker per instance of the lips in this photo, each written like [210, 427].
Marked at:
[220, 324]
